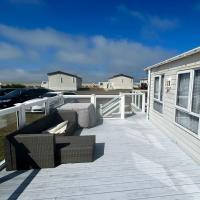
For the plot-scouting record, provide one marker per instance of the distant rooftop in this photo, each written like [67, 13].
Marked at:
[118, 75]
[61, 72]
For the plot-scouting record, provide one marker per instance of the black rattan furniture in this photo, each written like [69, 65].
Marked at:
[75, 149]
[29, 151]
[32, 147]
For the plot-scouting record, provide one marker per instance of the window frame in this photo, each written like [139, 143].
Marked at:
[187, 110]
[159, 91]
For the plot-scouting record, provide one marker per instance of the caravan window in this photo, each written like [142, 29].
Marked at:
[183, 90]
[158, 93]
[196, 93]
[188, 100]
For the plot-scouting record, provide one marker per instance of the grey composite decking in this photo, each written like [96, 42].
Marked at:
[134, 161]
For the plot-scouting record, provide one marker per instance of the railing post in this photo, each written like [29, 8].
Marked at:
[101, 109]
[139, 102]
[148, 93]
[143, 102]
[132, 98]
[122, 105]
[21, 116]
[93, 99]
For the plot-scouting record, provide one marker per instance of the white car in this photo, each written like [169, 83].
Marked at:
[41, 108]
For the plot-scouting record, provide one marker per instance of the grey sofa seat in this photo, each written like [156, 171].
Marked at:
[85, 111]
[75, 149]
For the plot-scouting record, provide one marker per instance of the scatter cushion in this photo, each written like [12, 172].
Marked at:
[59, 128]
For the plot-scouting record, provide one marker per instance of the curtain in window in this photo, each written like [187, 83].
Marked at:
[188, 121]
[183, 90]
[196, 93]
[156, 87]
[162, 87]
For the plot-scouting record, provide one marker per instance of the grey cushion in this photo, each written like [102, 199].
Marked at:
[86, 113]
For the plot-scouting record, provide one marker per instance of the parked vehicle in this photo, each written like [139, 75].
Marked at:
[5, 91]
[70, 100]
[41, 108]
[20, 95]
[51, 94]
[69, 93]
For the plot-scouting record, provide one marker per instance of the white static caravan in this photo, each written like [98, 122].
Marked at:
[44, 84]
[174, 99]
[63, 81]
[104, 85]
[120, 81]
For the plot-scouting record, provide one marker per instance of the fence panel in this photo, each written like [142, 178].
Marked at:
[108, 106]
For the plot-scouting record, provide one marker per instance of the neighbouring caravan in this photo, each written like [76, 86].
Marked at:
[45, 84]
[104, 85]
[63, 81]
[120, 81]
[174, 99]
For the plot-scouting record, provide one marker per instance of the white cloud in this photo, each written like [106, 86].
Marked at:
[115, 55]
[93, 57]
[42, 38]
[163, 24]
[20, 75]
[125, 10]
[8, 51]
[149, 20]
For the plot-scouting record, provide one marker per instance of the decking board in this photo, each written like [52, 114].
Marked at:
[139, 162]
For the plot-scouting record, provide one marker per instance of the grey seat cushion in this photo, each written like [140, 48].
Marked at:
[85, 111]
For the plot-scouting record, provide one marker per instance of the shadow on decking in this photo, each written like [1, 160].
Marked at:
[11, 176]
[18, 191]
[23, 185]
[127, 115]
[99, 150]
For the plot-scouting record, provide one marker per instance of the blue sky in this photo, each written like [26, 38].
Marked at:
[92, 38]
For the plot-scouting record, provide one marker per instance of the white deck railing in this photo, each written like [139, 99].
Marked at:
[21, 108]
[110, 107]
[137, 103]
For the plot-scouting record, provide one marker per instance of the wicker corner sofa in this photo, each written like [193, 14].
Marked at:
[32, 147]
